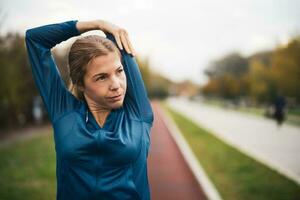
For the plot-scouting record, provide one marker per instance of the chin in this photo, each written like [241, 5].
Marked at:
[116, 105]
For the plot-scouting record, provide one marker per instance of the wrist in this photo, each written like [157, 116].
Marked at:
[100, 25]
[84, 26]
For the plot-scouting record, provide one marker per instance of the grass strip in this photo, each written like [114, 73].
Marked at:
[27, 169]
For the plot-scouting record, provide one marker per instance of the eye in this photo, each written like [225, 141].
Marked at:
[101, 78]
[120, 70]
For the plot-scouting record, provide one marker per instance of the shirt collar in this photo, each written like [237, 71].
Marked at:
[85, 111]
[86, 116]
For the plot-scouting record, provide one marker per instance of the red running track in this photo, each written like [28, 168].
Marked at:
[170, 178]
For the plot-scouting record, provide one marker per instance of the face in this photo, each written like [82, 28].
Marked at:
[105, 82]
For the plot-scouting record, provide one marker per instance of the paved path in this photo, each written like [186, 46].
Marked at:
[257, 136]
[169, 175]
[9, 137]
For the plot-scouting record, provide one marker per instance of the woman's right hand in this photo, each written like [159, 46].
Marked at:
[120, 34]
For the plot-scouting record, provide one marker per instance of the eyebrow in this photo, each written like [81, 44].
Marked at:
[101, 74]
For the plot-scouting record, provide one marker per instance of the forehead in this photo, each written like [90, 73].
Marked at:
[103, 64]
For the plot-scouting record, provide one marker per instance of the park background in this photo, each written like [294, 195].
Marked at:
[238, 55]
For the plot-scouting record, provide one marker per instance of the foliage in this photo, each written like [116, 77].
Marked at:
[156, 85]
[16, 84]
[259, 77]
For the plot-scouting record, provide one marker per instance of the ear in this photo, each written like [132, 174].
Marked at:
[80, 86]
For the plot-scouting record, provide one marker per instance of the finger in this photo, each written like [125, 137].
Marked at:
[124, 43]
[130, 45]
[117, 37]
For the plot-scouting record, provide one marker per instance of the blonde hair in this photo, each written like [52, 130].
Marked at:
[82, 51]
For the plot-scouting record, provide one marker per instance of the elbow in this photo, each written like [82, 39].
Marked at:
[29, 34]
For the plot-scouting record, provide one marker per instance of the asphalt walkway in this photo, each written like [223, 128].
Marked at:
[258, 137]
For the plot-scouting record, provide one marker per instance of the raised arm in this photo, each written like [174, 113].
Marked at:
[39, 42]
[136, 98]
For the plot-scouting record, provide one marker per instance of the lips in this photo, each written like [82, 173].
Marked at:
[115, 98]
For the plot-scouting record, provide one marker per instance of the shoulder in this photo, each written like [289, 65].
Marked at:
[133, 111]
[78, 111]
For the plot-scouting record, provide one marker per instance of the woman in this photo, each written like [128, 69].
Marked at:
[102, 134]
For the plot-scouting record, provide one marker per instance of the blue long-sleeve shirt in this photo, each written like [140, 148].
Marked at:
[92, 162]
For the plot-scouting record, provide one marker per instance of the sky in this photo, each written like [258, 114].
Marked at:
[180, 38]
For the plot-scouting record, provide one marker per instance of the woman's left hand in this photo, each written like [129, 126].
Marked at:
[120, 34]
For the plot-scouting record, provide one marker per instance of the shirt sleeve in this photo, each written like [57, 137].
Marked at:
[53, 91]
[136, 98]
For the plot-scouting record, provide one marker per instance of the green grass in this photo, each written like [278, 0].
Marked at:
[27, 169]
[235, 175]
[295, 111]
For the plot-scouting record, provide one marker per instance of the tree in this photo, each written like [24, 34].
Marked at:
[233, 64]
[16, 84]
[285, 69]
[260, 81]
[226, 76]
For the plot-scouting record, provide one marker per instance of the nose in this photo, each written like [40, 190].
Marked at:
[115, 84]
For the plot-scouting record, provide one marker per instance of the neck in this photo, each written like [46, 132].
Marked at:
[99, 112]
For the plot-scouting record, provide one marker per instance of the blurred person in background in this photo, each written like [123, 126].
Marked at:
[279, 111]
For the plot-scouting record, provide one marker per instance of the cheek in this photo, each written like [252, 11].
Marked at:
[124, 82]
[95, 89]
